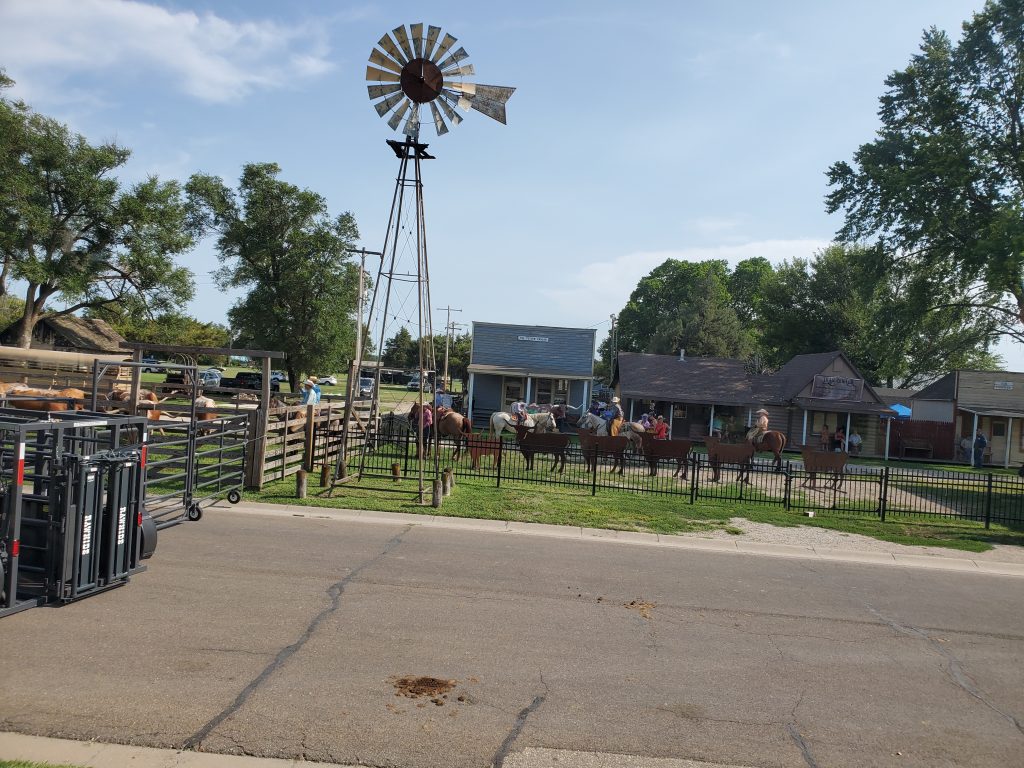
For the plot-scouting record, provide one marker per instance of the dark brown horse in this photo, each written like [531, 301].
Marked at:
[772, 441]
[531, 443]
[671, 450]
[615, 447]
[832, 464]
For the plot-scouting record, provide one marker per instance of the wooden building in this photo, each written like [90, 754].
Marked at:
[69, 333]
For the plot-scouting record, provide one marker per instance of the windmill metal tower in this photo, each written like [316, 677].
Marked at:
[409, 71]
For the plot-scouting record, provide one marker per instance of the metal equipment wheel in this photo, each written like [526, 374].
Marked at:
[194, 512]
[234, 497]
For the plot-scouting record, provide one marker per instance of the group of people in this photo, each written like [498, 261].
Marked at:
[521, 412]
[310, 391]
[839, 441]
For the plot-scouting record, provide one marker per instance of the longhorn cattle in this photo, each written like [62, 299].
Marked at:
[657, 450]
[592, 445]
[31, 399]
[824, 462]
[481, 445]
[531, 443]
[740, 454]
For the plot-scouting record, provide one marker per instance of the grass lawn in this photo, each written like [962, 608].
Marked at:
[627, 511]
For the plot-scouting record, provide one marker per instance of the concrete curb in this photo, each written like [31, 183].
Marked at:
[91, 754]
[953, 562]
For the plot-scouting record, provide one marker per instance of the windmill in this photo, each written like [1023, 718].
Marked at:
[409, 72]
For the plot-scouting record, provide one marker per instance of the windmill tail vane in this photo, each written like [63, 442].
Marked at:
[409, 71]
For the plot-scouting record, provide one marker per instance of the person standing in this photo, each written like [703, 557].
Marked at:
[825, 441]
[760, 427]
[661, 429]
[558, 414]
[839, 440]
[980, 444]
[310, 396]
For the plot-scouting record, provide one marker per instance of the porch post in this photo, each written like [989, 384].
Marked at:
[529, 382]
[671, 412]
[804, 434]
[469, 412]
[750, 413]
[974, 431]
[1009, 439]
[888, 427]
[711, 424]
[847, 427]
[631, 401]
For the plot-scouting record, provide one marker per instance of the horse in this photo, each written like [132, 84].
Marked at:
[591, 444]
[833, 464]
[454, 425]
[542, 422]
[741, 454]
[631, 430]
[772, 441]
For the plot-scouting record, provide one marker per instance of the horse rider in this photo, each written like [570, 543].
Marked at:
[757, 432]
[614, 417]
[519, 412]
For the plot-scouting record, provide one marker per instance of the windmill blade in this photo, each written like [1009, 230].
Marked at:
[469, 89]
[448, 108]
[380, 91]
[417, 39]
[455, 58]
[439, 123]
[385, 106]
[498, 93]
[459, 71]
[442, 49]
[383, 60]
[412, 125]
[403, 40]
[432, 33]
[382, 76]
[459, 100]
[399, 114]
[389, 45]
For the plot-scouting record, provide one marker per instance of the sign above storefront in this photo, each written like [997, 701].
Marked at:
[837, 388]
[1006, 385]
[534, 338]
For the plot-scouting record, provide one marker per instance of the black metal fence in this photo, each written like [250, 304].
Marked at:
[858, 490]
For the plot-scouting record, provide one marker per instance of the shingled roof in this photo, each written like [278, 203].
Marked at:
[720, 380]
[79, 333]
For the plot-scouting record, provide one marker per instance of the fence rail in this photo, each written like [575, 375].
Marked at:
[865, 491]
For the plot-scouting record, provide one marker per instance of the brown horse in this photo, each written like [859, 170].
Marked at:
[832, 464]
[677, 450]
[615, 447]
[454, 425]
[772, 441]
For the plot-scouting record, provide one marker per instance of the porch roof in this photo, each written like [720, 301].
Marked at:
[843, 406]
[507, 370]
[1003, 413]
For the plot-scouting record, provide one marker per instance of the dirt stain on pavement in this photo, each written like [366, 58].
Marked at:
[642, 607]
[434, 689]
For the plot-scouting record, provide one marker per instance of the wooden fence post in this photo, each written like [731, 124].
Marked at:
[307, 454]
[300, 484]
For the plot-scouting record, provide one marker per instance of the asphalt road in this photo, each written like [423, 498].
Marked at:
[290, 637]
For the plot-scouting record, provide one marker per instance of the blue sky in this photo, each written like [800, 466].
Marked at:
[637, 132]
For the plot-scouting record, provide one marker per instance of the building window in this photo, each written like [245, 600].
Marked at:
[999, 429]
[678, 412]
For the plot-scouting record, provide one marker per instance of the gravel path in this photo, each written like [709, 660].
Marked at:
[825, 538]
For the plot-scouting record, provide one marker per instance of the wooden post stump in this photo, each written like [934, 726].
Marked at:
[300, 484]
[435, 500]
[447, 481]
[396, 471]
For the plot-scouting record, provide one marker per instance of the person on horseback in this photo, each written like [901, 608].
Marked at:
[519, 412]
[614, 417]
[760, 427]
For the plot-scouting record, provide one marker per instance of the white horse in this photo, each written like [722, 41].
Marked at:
[540, 422]
[629, 429]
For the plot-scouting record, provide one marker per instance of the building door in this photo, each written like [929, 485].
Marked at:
[512, 391]
[997, 441]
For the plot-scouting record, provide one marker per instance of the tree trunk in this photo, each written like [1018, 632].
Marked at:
[27, 323]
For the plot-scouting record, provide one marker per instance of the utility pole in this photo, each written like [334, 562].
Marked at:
[613, 343]
[448, 327]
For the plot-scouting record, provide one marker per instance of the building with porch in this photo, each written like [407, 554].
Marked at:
[70, 333]
[992, 401]
[532, 363]
[704, 395]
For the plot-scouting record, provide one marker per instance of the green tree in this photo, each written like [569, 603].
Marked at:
[400, 350]
[745, 285]
[844, 299]
[279, 243]
[72, 235]
[707, 326]
[941, 188]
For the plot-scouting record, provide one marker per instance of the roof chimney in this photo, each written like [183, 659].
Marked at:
[682, 355]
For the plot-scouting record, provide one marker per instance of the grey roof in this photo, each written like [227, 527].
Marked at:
[943, 389]
[893, 395]
[718, 380]
[786, 383]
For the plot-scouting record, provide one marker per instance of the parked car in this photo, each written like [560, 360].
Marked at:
[149, 365]
[330, 381]
[210, 378]
[249, 380]
[278, 376]
[414, 385]
[365, 388]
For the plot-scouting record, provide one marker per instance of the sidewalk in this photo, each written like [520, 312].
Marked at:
[91, 754]
[940, 559]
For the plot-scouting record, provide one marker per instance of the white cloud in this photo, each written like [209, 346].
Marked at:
[604, 287]
[213, 59]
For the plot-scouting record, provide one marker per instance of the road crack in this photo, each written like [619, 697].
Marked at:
[517, 727]
[334, 592]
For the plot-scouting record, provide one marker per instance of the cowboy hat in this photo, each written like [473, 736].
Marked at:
[762, 411]
[615, 399]
[307, 383]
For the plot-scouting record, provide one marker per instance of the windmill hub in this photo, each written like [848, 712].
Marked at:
[422, 80]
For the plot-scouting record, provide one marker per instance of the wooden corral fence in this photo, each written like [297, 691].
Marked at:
[306, 437]
[46, 369]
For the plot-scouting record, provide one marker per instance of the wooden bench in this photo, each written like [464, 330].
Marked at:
[916, 446]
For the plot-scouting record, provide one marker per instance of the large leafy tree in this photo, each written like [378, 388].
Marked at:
[844, 299]
[72, 237]
[400, 350]
[941, 188]
[279, 243]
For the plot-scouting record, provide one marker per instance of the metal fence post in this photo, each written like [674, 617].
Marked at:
[883, 495]
[988, 501]
[501, 447]
[788, 487]
[693, 479]
[593, 477]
